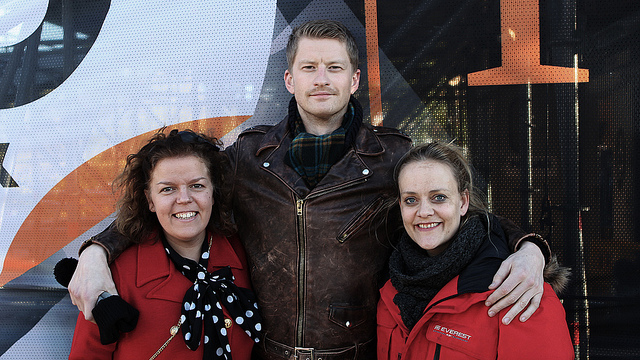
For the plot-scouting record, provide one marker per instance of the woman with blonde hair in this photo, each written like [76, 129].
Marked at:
[433, 306]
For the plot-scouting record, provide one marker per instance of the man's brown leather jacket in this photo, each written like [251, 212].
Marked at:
[314, 255]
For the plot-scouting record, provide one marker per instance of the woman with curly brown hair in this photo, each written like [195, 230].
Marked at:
[186, 270]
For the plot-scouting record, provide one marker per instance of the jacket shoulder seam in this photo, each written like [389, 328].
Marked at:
[383, 130]
[258, 129]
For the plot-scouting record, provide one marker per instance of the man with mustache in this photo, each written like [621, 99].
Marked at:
[305, 196]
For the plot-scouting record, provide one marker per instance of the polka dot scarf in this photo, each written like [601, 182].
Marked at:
[203, 302]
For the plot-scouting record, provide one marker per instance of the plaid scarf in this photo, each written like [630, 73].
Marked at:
[312, 156]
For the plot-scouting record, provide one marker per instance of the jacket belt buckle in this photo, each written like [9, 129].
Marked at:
[304, 353]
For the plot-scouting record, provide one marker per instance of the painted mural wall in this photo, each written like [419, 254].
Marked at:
[544, 95]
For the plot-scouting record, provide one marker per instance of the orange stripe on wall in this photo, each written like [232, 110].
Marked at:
[373, 61]
[82, 199]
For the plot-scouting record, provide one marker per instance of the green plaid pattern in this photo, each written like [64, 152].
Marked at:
[312, 156]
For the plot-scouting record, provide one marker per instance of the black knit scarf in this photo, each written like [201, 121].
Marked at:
[203, 302]
[418, 277]
[311, 156]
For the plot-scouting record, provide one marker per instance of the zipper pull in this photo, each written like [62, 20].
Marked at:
[299, 206]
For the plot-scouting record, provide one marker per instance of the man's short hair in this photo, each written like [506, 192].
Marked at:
[322, 29]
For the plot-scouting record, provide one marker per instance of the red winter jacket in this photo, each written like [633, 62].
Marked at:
[456, 326]
[148, 280]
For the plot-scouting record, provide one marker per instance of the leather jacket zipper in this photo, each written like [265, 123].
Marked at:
[302, 256]
[301, 272]
[340, 187]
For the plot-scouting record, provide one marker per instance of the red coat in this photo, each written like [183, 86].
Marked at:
[459, 328]
[148, 280]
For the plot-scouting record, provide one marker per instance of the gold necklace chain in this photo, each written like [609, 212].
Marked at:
[173, 331]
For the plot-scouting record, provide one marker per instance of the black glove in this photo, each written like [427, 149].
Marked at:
[113, 316]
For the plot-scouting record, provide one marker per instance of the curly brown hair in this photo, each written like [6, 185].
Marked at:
[134, 220]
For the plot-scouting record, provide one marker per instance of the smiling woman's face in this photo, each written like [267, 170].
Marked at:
[181, 194]
[431, 204]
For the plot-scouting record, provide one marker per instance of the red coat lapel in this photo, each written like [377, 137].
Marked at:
[153, 263]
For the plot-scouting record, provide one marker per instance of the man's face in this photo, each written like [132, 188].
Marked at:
[322, 79]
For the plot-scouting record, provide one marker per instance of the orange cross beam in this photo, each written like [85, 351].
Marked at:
[519, 20]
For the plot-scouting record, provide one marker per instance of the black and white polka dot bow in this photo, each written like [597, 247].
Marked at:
[203, 303]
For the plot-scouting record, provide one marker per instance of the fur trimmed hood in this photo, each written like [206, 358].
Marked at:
[557, 275]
